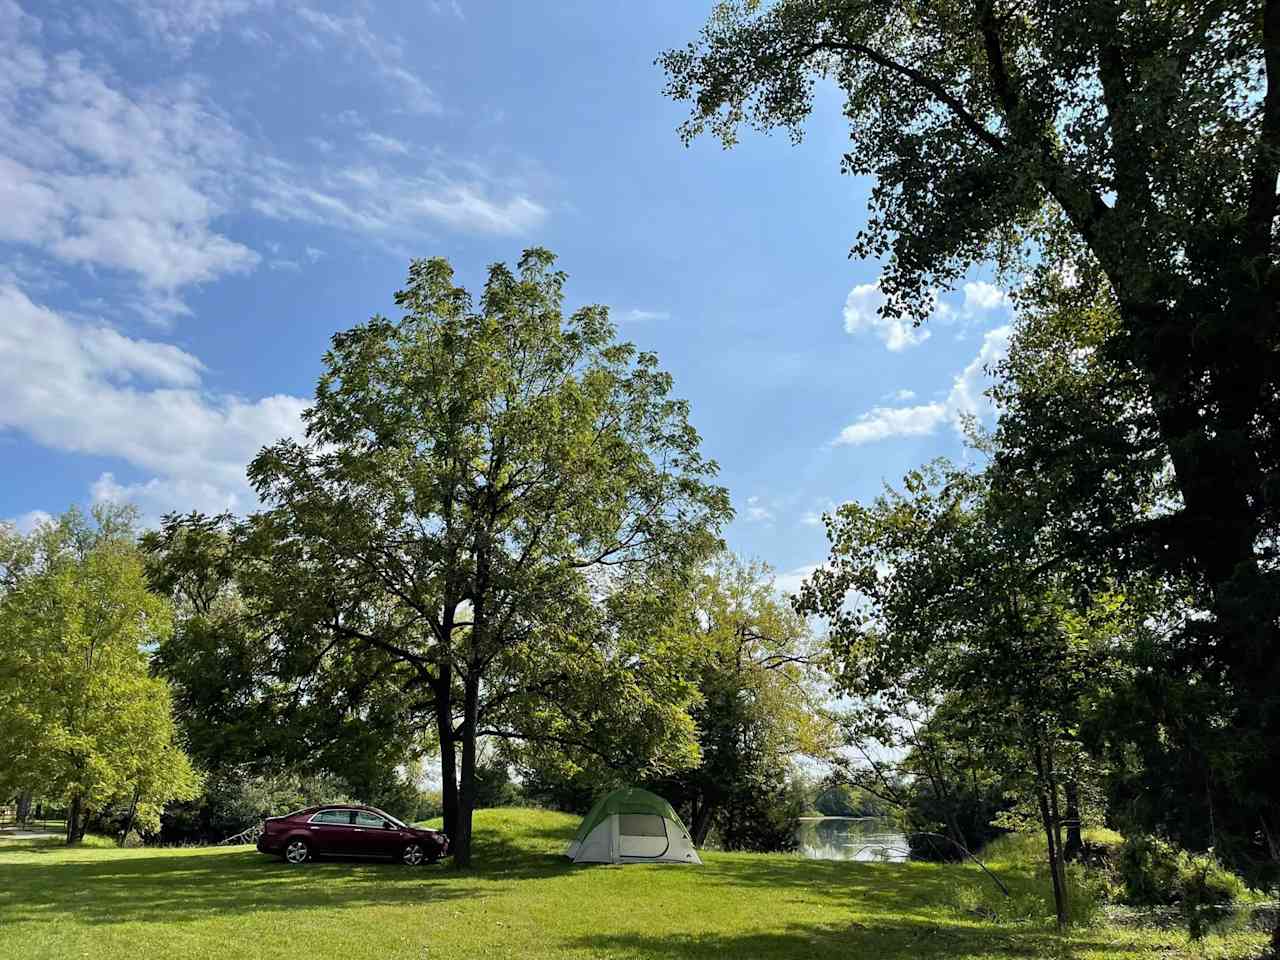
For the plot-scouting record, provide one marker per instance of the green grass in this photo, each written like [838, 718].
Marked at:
[523, 900]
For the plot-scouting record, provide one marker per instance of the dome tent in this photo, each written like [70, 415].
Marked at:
[632, 826]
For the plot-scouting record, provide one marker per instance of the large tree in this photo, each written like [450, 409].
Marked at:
[82, 720]
[945, 619]
[760, 706]
[491, 500]
[1133, 140]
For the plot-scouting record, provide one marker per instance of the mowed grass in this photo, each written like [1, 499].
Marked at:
[522, 900]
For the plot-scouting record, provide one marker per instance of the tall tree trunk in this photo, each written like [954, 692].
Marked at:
[24, 806]
[131, 816]
[1059, 894]
[1075, 842]
[702, 823]
[442, 686]
[1049, 821]
[467, 786]
[75, 830]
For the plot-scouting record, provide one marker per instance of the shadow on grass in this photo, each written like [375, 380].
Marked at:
[171, 887]
[882, 941]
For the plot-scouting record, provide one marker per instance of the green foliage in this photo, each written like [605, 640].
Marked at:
[1154, 872]
[477, 538]
[760, 814]
[1207, 890]
[844, 800]
[1119, 165]
[234, 800]
[494, 786]
[83, 720]
[1149, 871]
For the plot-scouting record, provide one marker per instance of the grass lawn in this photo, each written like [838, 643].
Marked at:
[523, 900]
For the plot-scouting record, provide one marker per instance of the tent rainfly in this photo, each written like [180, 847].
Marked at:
[632, 826]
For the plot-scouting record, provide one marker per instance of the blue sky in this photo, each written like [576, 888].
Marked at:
[196, 194]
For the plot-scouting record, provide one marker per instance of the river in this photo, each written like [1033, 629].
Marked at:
[851, 838]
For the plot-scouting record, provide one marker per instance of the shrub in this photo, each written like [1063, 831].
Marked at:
[1156, 873]
[1149, 873]
[1207, 890]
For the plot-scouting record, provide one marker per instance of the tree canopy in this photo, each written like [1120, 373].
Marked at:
[489, 507]
[1116, 159]
[82, 719]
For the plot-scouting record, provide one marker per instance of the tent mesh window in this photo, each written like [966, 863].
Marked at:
[641, 825]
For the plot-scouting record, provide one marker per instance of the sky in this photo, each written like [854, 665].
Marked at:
[195, 195]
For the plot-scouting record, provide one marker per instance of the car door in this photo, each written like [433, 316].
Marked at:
[374, 836]
[331, 831]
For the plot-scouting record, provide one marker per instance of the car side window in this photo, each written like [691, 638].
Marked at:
[364, 819]
[342, 817]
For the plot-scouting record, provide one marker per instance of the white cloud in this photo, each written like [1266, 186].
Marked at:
[862, 312]
[384, 144]
[96, 176]
[377, 200]
[901, 396]
[179, 23]
[452, 6]
[791, 581]
[91, 390]
[385, 56]
[981, 296]
[884, 422]
[137, 180]
[757, 512]
[27, 522]
[636, 315]
[966, 398]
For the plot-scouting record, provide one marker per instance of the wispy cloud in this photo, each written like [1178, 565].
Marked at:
[180, 23]
[790, 581]
[381, 200]
[384, 144]
[386, 57]
[636, 315]
[441, 6]
[93, 175]
[864, 312]
[86, 388]
[881, 423]
[966, 398]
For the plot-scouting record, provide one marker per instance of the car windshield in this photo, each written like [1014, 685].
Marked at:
[395, 822]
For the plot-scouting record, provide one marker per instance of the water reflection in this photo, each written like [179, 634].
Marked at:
[851, 838]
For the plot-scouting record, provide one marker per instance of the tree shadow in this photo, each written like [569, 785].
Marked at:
[894, 940]
[166, 887]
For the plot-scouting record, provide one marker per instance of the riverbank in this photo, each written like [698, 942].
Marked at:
[523, 900]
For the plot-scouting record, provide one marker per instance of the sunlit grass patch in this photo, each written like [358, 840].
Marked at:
[524, 900]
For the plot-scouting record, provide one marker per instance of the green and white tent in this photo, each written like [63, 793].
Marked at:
[632, 826]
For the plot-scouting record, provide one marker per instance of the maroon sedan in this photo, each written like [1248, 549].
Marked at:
[349, 830]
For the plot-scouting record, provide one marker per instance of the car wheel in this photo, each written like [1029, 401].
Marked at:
[413, 855]
[297, 852]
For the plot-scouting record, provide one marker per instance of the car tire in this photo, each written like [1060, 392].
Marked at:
[297, 852]
[413, 855]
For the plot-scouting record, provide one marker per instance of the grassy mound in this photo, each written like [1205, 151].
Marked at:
[522, 900]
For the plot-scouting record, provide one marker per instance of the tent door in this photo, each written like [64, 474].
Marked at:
[642, 836]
